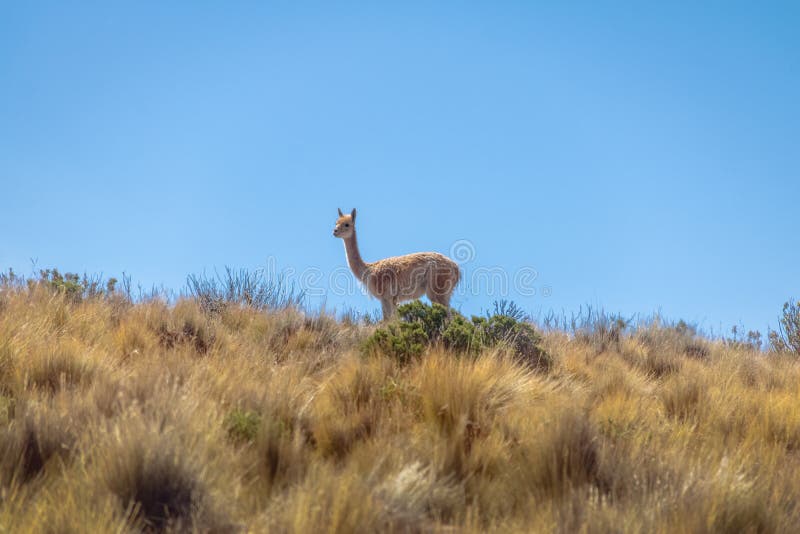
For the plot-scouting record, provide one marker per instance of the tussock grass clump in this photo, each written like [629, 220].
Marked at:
[51, 370]
[352, 404]
[408, 498]
[186, 325]
[562, 454]
[126, 415]
[682, 396]
[681, 339]
[461, 402]
[158, 478]
[35, 439]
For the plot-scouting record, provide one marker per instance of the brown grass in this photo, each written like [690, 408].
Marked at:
[149, 417]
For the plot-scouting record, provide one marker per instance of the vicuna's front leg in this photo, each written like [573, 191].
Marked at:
[388, 309]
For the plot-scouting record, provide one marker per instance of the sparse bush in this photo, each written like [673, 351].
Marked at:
[606, 333]
[738, 340]
[254, 289]
[73, 286]
[787, 337]
[509, 308]
[598, 329]
[69, 284]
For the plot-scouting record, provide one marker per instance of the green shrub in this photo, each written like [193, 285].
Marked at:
[242, 426]
[400, 340]
[459, 335]
[420, 326]
[432, 318]
[68, 283]
[76, 287]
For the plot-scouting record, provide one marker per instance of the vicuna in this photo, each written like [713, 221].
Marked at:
[399, 278]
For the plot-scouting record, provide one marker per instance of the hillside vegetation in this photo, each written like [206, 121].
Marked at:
[223, 414]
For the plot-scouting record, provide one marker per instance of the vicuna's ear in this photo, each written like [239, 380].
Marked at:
[340, 212]
[353, 214]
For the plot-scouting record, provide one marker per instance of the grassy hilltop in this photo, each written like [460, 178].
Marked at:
[236, 411]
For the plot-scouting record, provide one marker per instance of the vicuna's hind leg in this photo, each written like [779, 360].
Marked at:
[437, 298]
[440, 286]
[440, 298]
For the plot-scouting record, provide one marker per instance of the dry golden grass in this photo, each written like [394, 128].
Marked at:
[118, 417]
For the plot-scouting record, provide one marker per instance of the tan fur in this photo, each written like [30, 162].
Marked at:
[400, 278]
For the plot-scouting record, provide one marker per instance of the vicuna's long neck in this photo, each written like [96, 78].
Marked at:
[354, 260]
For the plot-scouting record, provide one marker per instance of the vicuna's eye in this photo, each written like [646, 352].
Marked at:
[347, 226]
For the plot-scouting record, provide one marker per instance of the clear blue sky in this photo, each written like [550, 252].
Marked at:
[638, 155]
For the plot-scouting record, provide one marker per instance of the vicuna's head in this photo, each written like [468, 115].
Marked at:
[345, 224]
